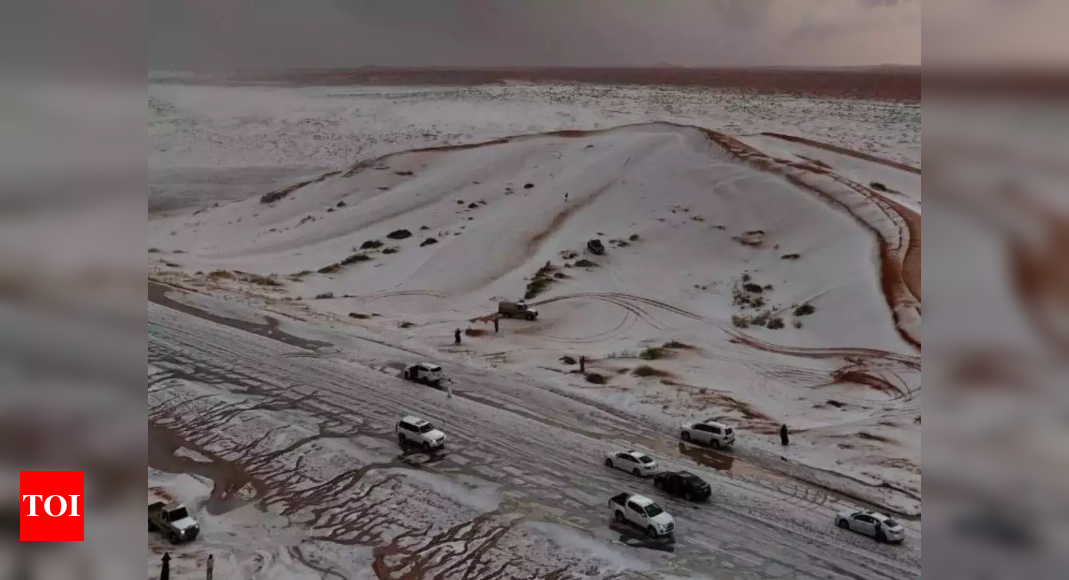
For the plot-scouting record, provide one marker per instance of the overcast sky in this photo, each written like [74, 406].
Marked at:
[224, 34]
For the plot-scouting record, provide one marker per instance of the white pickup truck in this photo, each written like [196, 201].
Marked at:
[642, 512]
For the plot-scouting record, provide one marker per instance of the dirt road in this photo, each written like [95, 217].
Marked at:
[519, 490]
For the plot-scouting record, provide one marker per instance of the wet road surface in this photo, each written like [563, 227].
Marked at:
[230, 390]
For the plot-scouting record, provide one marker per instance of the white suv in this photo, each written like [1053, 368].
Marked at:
[419, 432]
[709, 432]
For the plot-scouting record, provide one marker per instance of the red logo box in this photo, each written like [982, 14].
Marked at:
[52, 506]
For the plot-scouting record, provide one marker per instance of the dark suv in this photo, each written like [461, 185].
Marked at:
[683, 484]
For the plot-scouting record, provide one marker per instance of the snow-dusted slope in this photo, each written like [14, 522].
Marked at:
[710, 243]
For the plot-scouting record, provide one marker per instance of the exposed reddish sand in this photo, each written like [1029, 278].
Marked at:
[890, 83]
[845, 151]
[899, 272]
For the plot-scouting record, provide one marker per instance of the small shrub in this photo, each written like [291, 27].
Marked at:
[297, 277]
[878, 186]
[797, 323]
[358, 316]
[264, 280]
[340, 204]
[221, 274]
[172, 264]
[675, 344]
[746, 278]
[790, 256]
[474, 332]
[405, 324]
[358, 257]
[428, 242]
[646, 371]
[536, 287]
[752, 288]
[768, 287]
[473, 205]
[595, 378]
[528, 185]
[652, 353]
[329, 269]
[697, 218]
[404, 173]
[371, 245]
[399, 234]
[740, 321]
[584, 263]
[567, 360]
[568, 255]
[633, 237]
[775, 323]
[460, 202]
[560, 276]
[391, 250]
[423, 228]
[761, 319]
[805, 310]
[153, 250]
[324, 295]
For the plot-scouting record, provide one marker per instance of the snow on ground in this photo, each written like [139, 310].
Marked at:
[228, 142]
[702, 249]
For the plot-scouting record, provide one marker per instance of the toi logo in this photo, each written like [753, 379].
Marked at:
[51, 506]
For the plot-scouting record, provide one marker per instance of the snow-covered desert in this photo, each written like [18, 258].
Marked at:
[761, 267]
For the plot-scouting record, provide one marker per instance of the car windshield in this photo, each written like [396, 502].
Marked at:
[692, 479]
[653, 510]
[178, 514]
[645, 459]
[434, 369]
[890, 523]
[426, 428]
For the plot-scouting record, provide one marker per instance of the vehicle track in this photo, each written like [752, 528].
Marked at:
[250, 366]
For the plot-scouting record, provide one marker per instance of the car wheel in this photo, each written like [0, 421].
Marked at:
[716, 443]
[608, 462]
[687, 496]
[844, 524]
[150, 526]
[651, 532]
[426, 446]
[620, 516]
[685, 436]
[401, 438]
[636, 472]
[880, 536]
[173, 537]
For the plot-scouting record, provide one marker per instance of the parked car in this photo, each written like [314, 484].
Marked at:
[516, 310]
[871, 523]
[173, 521]
[683, 484]
[419, 432]
[709, 432]
[642, 512]
[596, 247]
[636, 463]
[424, 372]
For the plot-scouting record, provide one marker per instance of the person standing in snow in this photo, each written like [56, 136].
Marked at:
[456, 336]
[495, 325]
[783, 438]
[211, 566]
[565, 198]
[582, 364]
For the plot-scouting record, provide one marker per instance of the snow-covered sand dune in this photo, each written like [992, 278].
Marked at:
[785, 288]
